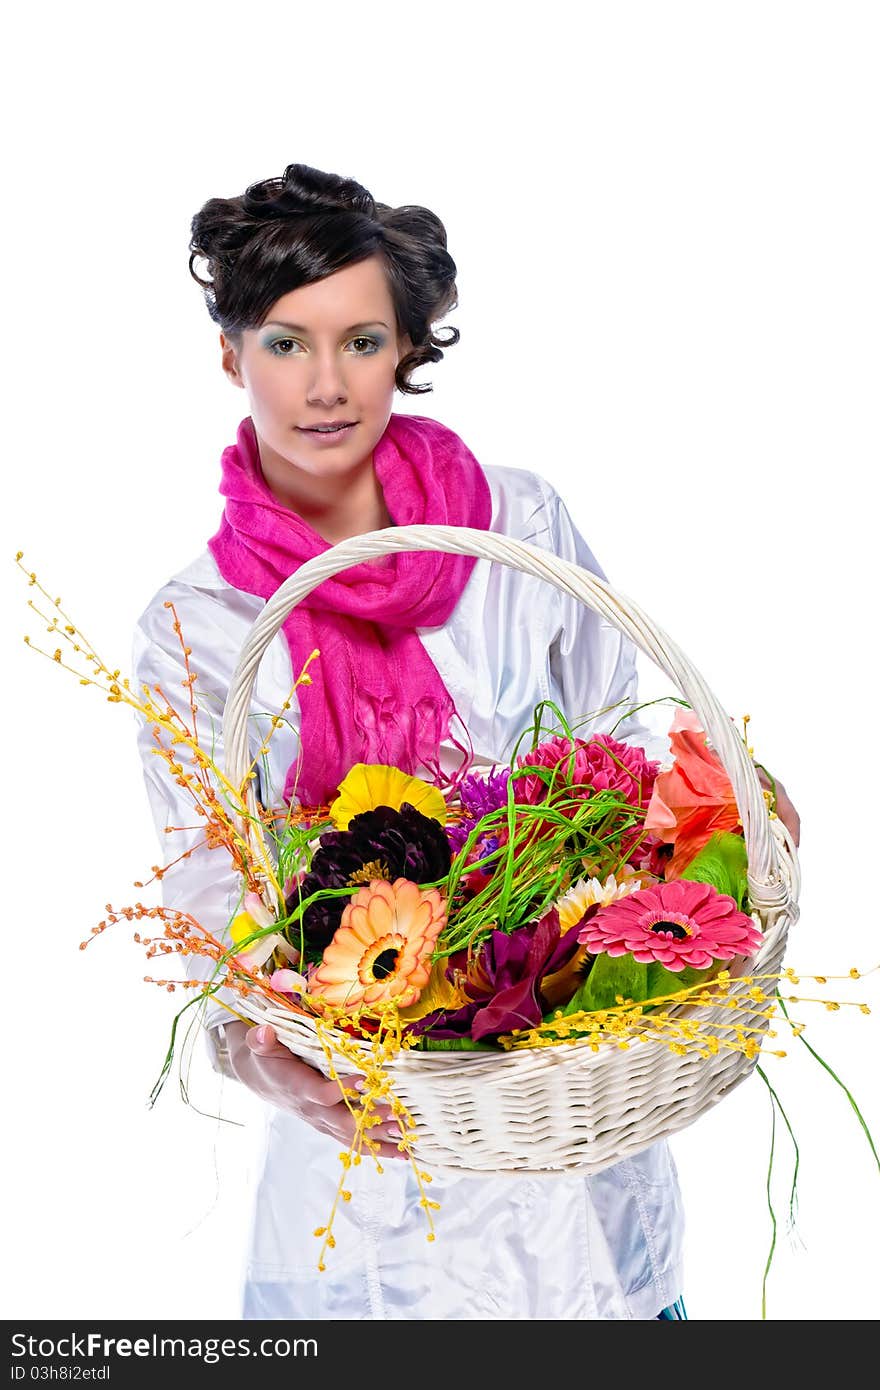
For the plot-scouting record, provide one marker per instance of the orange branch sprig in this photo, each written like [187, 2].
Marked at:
[183, 935]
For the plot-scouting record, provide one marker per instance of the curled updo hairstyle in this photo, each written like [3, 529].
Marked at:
[290, 231]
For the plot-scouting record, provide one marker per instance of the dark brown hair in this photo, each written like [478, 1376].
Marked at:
[290, 231]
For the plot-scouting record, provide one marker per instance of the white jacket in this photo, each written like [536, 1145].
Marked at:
[606, 1246]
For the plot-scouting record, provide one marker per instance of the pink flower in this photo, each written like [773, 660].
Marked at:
[679, 923]
[287, 982]
[600, 763]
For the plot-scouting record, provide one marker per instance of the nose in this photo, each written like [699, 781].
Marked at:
[327, 379]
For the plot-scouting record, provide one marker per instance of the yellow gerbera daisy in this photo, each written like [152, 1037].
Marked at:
[368, 785]
[381, 950]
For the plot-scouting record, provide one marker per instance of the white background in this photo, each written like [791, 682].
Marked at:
[665, 219]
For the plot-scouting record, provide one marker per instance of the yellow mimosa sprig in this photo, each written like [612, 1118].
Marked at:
[628, 1021]
[385, 1044]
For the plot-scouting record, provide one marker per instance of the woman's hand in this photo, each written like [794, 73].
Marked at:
[784, 807]
[270, 1069]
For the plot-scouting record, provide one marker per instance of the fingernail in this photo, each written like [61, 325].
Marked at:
[360, 1084]
[261, 1034]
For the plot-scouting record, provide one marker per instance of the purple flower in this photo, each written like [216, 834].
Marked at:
[479, 796]
[503, 980]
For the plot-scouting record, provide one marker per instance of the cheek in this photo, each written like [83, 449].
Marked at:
[276, 388]
[380, 380]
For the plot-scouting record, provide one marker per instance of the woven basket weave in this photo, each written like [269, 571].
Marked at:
[565, 1108]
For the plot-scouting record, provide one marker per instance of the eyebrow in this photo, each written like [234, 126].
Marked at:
[301, 328]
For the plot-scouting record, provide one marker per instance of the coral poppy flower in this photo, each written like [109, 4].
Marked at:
[678, 924]
[381, 950]
[694, 798]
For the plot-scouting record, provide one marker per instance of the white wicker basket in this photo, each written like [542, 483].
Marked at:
[565, 1108]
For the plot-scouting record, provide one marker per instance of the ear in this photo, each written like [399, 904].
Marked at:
[229, 361]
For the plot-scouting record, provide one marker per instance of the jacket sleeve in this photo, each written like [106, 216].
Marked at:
[204, 883]
[593, 662]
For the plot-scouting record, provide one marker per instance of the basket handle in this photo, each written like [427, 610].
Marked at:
[769, 888]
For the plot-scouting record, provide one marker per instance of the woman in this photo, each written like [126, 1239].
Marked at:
[326, 301]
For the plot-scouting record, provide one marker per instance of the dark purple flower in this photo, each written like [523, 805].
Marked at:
[381, 843]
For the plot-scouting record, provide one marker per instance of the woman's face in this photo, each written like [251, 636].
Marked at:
[325, 352]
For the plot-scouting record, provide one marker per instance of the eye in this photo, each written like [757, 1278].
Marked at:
[373, 346]
[275, 347]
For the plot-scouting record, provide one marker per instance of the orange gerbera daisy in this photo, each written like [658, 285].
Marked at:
[381, 950]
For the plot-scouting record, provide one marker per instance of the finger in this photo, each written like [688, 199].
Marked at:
[344, 1134]
[389, 1136]
[328, 1092]
[264, 1041]
[390, 1151]
[323, 1093]
[385, 1130]
[271, 1051]
[354, 1082]
[793, 823]
[381, 1123]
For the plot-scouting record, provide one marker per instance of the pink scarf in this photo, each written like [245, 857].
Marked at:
[376, 695]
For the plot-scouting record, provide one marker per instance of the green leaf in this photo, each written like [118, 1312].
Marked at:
[723, 863]
[455, 1045]
[662, 981]
[608, 977]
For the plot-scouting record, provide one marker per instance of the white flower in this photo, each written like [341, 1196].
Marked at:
[587, 891]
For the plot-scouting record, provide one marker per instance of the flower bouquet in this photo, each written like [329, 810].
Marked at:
[534, 913]
[580, 879]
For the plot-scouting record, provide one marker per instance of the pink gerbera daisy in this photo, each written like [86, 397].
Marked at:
[679, 923]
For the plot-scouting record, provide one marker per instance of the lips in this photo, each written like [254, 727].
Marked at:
[326, 439]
